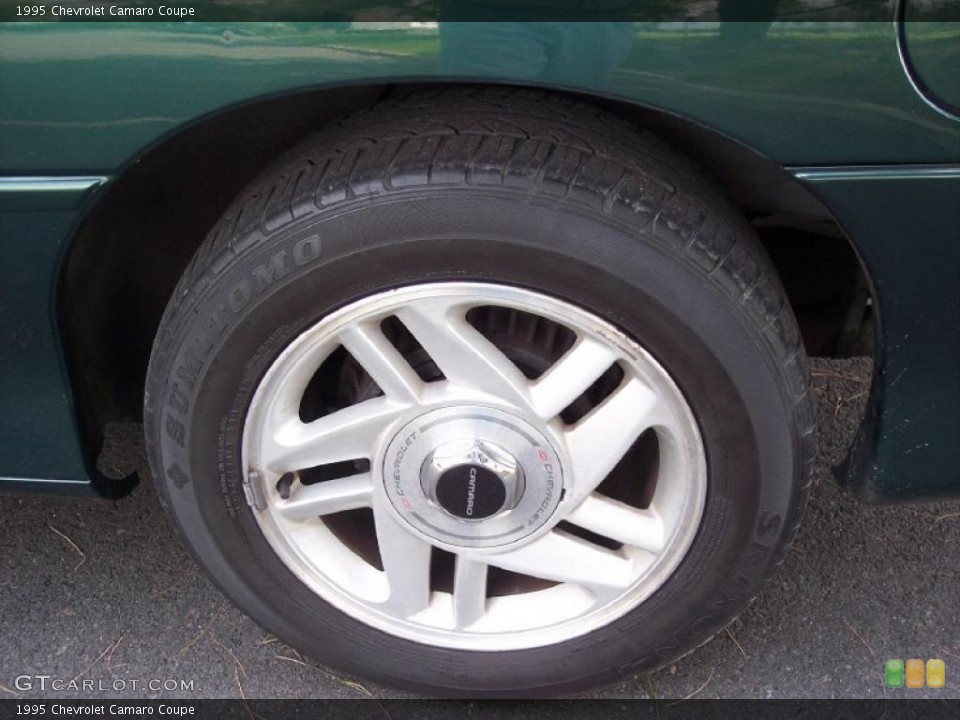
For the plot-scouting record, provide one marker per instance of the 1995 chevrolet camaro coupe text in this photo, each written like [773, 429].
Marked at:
[472, 356]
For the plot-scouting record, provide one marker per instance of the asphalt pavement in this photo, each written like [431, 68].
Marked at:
[102, 591]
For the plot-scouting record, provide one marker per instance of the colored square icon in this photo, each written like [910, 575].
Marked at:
[914, 673]
[936, 673]
[893, 673]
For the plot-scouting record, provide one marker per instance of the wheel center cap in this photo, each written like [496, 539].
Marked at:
[472, 479]
[472, 476]
[470, 492]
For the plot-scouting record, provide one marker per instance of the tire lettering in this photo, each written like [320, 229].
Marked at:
[703, 624]
[176, 430]
[239, 296]
[177, 476]
[213, 328]
[196, 355]
[768, 524]
[267, 274]
[306, 250]
[179, 401]
[668, 649]
[189, 368]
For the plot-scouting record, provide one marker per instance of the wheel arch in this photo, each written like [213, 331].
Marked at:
[138, 234]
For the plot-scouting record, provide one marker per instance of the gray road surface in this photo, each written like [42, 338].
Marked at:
[862, 584]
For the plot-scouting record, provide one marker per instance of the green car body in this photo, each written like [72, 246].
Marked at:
[852, 114]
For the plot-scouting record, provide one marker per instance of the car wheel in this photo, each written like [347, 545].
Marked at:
[483, 393]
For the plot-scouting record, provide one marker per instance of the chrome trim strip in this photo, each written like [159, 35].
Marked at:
[50, 184]
[43, 480]
[877, 172]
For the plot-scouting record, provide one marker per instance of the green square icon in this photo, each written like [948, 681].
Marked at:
[893, 672]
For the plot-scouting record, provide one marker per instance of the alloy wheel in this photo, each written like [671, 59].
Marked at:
[474, 466]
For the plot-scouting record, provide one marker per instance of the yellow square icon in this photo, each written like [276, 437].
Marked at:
[936, 673]
[914, 673]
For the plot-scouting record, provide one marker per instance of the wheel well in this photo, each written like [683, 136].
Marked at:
[132, 246]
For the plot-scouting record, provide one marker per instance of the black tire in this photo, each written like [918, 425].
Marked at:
[525, 189]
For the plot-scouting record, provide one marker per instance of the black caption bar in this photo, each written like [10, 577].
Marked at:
[467, 10]
[498, 710]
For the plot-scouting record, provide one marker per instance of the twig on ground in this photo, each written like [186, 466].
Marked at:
[243, 695]
[177, 582]
[109, 662]
[71, 543]
[694, 693]
[860, 638]
[739, 646]
[99, 657]
[213, 618]
[354, 685]
[838, 406]
[233, 655]
[343, 681]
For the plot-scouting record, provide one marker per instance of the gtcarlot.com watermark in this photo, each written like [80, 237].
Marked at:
[47, 683]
